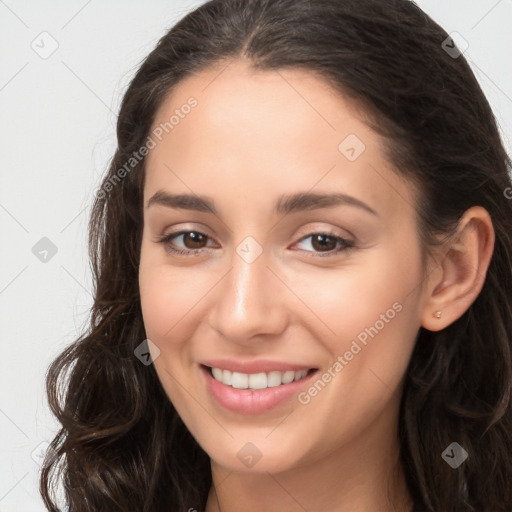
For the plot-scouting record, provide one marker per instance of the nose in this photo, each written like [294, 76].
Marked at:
[250, 301]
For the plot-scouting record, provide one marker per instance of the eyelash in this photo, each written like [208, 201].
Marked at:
[347, 245]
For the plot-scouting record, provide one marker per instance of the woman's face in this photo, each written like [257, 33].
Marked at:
[266, 285]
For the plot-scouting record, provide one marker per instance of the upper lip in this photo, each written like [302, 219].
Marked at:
[254, 366]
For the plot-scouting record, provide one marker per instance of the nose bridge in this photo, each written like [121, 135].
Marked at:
[246, 303]
[247, 280]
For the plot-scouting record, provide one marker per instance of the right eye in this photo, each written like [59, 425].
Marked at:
[195, 241]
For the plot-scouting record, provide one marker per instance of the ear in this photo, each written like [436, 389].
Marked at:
[460, 273]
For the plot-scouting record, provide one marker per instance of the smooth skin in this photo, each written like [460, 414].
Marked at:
[252, 137]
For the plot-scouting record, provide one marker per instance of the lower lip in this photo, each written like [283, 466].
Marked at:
[249, 401]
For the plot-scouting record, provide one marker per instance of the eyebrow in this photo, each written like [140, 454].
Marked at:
[285, 204]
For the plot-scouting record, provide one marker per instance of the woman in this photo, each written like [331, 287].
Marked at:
[302, 257]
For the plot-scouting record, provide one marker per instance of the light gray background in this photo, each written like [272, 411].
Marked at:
[57, 131]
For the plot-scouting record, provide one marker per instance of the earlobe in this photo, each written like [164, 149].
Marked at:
[461, 271]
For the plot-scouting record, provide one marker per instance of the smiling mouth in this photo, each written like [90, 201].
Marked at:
[255, 381]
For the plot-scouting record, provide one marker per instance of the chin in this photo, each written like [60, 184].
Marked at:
[245, 456]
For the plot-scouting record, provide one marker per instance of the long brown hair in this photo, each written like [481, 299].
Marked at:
[122, 445]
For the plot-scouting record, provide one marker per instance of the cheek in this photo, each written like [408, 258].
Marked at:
[355, 298]
[163, 306]
[167, 295]
[376, 326]
[157, 310]
[372, 312]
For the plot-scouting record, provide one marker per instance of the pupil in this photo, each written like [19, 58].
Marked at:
[323, 239]
[195, 237]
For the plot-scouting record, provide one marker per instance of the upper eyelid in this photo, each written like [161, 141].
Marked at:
[185, 231]
[306, 232]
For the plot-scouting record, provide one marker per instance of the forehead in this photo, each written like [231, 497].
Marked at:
[267, 130]
[234, 97]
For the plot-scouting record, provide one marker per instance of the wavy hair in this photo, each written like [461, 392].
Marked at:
[122, 446]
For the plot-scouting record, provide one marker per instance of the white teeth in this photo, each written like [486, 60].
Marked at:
[256, 380]
[226, 377]
[301, 374]
[273, 379]
[287, 377]
[217, 373]
[239, 380]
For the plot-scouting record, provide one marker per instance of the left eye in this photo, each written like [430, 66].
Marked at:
[326, 243]
[323, 244]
